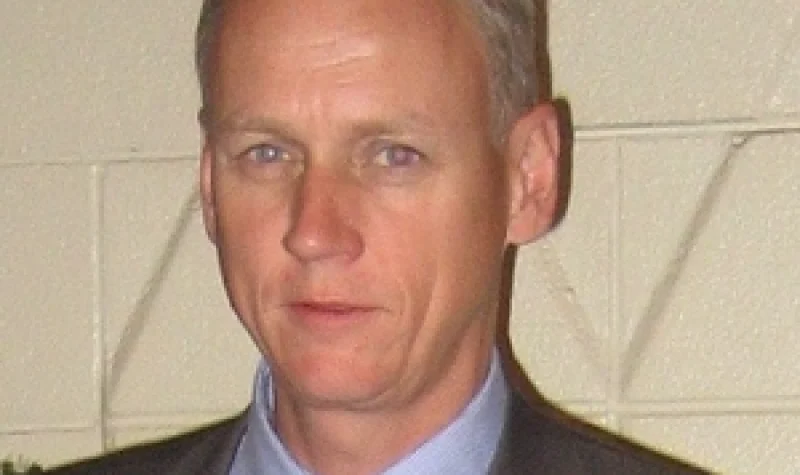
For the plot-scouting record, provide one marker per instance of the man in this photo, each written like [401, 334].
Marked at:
[367, 165]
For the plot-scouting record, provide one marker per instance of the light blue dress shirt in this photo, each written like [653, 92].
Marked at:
[464, 447]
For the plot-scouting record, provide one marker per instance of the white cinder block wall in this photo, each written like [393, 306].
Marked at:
[666, 306]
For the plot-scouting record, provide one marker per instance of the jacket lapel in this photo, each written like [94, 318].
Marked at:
[213, 453]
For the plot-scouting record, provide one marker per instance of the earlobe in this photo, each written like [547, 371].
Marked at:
[207, 199]
[533, 152]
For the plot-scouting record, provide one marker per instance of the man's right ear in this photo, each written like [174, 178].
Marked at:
[207, 198]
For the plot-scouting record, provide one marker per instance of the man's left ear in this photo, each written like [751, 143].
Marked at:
[533, 149]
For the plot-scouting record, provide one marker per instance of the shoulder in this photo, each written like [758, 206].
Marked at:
[199, 451]
[541, 439]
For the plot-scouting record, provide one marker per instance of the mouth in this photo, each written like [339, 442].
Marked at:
[316, 311]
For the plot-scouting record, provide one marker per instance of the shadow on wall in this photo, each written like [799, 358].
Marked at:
[545, 82]
[513, 369]
[511, 366]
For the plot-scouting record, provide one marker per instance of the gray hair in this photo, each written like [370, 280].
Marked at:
[508, 28]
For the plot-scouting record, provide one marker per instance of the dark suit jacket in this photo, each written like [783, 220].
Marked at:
[538, 440]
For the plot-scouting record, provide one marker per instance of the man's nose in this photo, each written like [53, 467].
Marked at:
[324, 218]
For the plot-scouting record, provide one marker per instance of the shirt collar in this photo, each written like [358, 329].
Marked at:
[466, 445]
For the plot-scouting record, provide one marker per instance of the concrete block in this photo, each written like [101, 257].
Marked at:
[47, 371]
[670, 61]
[745, 443]
[184, 351]
[91, 80]
[721, 317]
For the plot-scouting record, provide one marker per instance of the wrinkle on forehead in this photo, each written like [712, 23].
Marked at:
[339, 50]
[326, 52]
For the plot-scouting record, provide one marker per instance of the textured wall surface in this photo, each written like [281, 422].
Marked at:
[665, 306]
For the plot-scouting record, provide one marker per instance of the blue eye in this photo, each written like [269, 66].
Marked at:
[400, 156]
[266, 154]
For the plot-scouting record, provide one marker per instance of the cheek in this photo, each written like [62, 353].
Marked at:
[248, 236]
[439, 254]
[470, 239]
[249, 217]
[402, 254]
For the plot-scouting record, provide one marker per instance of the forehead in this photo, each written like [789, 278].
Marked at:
[432, 43]
[431, 19]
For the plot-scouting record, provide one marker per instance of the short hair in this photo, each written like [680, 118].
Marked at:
[508, 29]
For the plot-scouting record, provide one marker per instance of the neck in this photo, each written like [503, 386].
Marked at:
[333, 441]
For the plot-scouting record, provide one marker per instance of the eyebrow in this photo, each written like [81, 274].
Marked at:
[245, 123]
[403, 125]
[410, 123]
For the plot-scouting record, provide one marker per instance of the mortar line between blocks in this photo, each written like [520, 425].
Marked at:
[688, 407]
[750, 126]
[615, 332]
[98, 174]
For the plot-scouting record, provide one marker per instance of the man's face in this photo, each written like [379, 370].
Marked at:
[350, 184]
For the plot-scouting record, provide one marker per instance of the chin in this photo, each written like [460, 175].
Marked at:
[330, 383]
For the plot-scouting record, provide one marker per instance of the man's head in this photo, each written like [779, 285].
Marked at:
[359, 201]
[507, 28]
